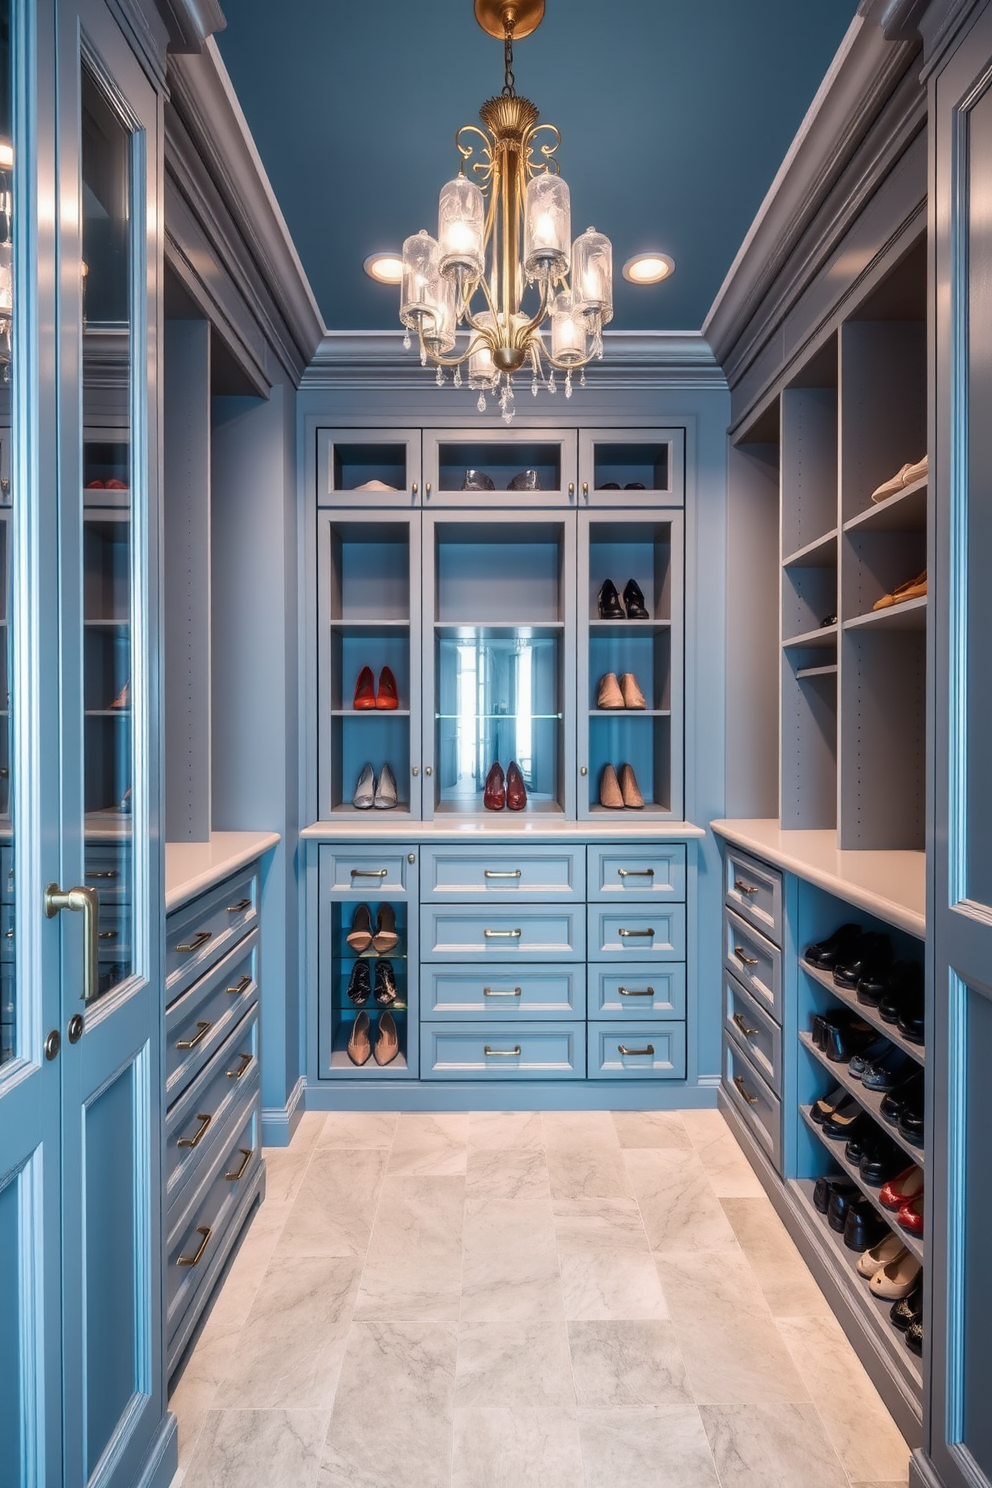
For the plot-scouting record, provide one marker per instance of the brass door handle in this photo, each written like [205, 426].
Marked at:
[194, 1260]
[752, 1100]
[247, 1153]
[199, 1134]
[108, 935]
[237, 908]
[246, 1060]
[747, 1032]
[502, 934]
[633, 934]
[199, 939]
[648, 1049]
[240, 986]
[501, 873]
[507, 1053]
[497, 992]
[745, 960]
[85, 901]
[636, 872]
[204, 1028]
[743, 888]
[370, 872]
[636, 991]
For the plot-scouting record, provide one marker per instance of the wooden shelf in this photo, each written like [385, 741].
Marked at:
[815, 640]
[828, 670]
[362, 626]
[816, 554]
[644, 627]
[629, 713]
[835, 1147]
[870, 1101]
[905, 512]
[370, 712]
[869, 1014]
[911, 614]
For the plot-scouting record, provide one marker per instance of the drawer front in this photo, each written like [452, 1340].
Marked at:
[114, 931]
[524, 992]
[750, 1026]
[200, 1231]
[755, 962]
[504, 1051]
[654, 1051]
[200, 933]
[754, 891]
[198, 1120]
[6, 875]
[502, 933]
[637, 871]
[637, 990]
[369, 872]
[642, 932]
[7, 932]
[526, 873]
[751, 1097]
[105, 869]
[197, 1024]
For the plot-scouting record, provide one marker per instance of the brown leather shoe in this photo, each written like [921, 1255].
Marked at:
[387, 1045]
[912, 589]
[516, 791]
[494, 796]
[629, 789]
[609, 789]
[632, 695]
[609, 695]
[359, 1047]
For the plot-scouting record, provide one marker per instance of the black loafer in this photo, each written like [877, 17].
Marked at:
[908, 1092]
[914, 1337]
[877, 1049]
[824, 953]
[887, 1071]
[911, 1022]
[881, 1159]
[842, 1122]
[842, 1196]
[870, 962]
[863, 1227]
[911, 1124]
[854, 1147]
[818, 1030]
[824, 1189]
[907, 1310]
[826, 1105]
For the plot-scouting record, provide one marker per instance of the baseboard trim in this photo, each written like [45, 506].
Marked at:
[280, 1122]
[559, 1095]
[922, 1473]
[162, 1462]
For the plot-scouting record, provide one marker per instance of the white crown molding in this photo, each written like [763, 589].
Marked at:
[942, 24]
[190, 22]
[860, 82]
[631, 359]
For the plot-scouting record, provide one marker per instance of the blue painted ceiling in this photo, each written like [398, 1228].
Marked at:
[674, 115]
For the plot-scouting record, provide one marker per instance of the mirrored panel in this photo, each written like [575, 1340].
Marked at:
[8, 970]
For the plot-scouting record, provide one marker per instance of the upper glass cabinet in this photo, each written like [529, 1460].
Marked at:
[502, 468]
[368, 467]
[632, 467]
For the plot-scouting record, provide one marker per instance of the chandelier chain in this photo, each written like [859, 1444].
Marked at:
[509, 81]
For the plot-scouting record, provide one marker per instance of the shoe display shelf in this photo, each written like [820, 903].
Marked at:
[106, 468]
[373, 468]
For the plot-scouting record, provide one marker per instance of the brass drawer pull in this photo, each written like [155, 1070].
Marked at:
[633, 934]
[747, 1032]
[102, 873]
[199, 939]
[636, 991]
[744, 888]
[636, 872]
[497, 992]
[501, 873]
[197, 1138]
[745, 960]
[752, 1100]
[241, 985]
[648, 1049]
[194, 1260]
[502, 934]
[107, 935]
[247, 1153]
[370, 872]
[507, 1053]
[204, 1029]
[242, 904]
[246, 1060]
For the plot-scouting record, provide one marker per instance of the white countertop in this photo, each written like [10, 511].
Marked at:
[624, 825]
[191, 867]
[890, 884]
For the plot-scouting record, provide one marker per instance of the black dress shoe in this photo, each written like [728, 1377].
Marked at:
[911, 1120]
[610, 607]
[877, 1049]
[914, 1337]
[863, 1227]
[827, 1104]
[824, 953]
[818, 1031]
[910, 1091]
[870, 960]
[889, 1070]
[842, 1123]
[842, 1196]
[854, 1147]
[634, 600]
[824, 1188]
[905, 982]
[360, 984]
[845, 1037]
[907, 1310]
[881, 1159]
[911, 1021]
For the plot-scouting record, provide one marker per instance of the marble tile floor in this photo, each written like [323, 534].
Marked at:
[523, 1300]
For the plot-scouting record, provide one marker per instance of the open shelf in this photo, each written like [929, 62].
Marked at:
[829, 669]
[869, 1100]
[869, 1014]
[815, 640]
[904, 512]
[835, 1148]
[816, 554]
[911, 614]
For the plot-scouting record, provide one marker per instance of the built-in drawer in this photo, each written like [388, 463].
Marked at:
[527, 872]
[7, 932]
[637, 990]
[200, 933]
[198, 1121]
[6, 875]
[201, 1229]
[524, 992]
[752, 1098]
[114, 931]
[197, 1024]
[754, 961]
[369, 871]
[654, 1051]
[637, 871]
[105, 869]
[637, 932]
[755, 891]
[502, 1051]
[501, 932]
[757, 1033]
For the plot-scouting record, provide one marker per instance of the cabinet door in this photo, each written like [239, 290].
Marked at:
[499, 468]
[631, 467]
[368, 468]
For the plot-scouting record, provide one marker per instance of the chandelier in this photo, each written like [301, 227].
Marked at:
[502, 264]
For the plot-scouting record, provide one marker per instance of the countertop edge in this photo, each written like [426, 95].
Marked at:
[571, 831]
[225, 853]
[892, 910]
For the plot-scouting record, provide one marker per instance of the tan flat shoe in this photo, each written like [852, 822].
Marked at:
[892, 486]
[359, 1047]
[912, 589]
[387, 1045]
[633, 697]
[609, 695]
[897, 1279]
[889, 1249]
[609, 790]
[629, 789]
[917, 472]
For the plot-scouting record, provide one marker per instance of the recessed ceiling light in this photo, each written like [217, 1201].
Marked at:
[384, 268]
[648, 268]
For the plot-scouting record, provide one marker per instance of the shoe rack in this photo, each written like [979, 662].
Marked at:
[337, 971]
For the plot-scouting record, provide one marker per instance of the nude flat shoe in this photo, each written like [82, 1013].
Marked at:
[629, 789]
[889, 1249]
[387, 1045]
[917, 472]
[359, 1046]
[897, 1279]
[609, 695]
[912, 589]
[633, 697]
[609, 790]
[892, 486]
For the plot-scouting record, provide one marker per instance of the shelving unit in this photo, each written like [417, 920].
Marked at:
[337, 1013]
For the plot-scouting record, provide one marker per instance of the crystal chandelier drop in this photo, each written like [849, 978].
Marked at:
[502, 263]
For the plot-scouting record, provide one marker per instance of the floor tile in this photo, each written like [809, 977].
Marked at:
[628, 1363]
[258, 1449]
[289, 1352]
[413, 1268]
[336, 1204]
[771, 1446]
[779, 1269]
[511, 1366]
[728, 1170]
[584, 1156]
[598, 1285]
[651, 1129]
[519, 1131]
[599, 1224]
[392, 1421]
[647, 1447]
[354, 1129]
[510, 1265]
[195, 1389]
[733, 1351]
[516, 1449]
[677, 1203]
[429, 1146]
[860, 1428]
[494, 1173]
[285, 1168]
